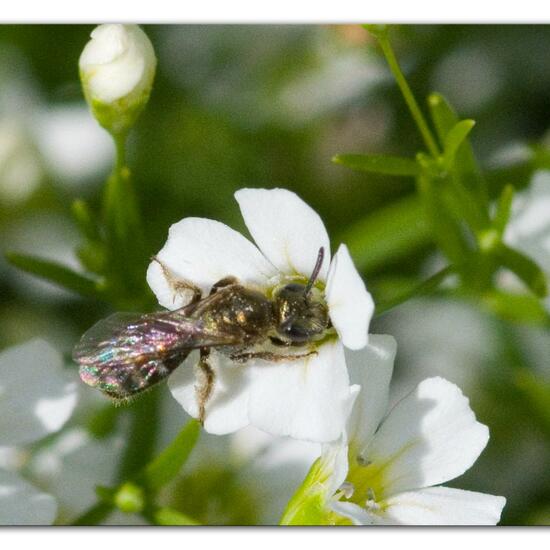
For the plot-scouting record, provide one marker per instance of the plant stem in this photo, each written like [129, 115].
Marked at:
[416, 113]
[423, 288]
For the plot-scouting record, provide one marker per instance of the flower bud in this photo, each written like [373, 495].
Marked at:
[117, 68]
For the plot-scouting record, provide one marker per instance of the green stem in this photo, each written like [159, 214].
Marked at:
[423, 288]
[94, 515]
[142, 437]
[416, 113]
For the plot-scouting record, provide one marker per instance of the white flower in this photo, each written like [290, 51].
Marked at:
[36, 399]
[117, 69]
[306, 398]
[392, 464]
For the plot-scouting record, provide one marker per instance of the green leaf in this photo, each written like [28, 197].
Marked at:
[443, 115]
[504, 207]
[446, 230]
[85, 220]
[518, 308]
[55, 273]
[169, 462]
[445, 118]
[454, 139]
[525, 268]
[380, 164]
[169, 516]
[387, 234]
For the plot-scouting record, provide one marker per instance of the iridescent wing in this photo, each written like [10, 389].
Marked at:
[127, 353]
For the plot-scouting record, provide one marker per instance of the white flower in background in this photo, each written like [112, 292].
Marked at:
[306, 398]
[117, 69]
[73, 465]
[36, 399]
[74, 148]
[20, 167]
[529, 225]
[390, 470]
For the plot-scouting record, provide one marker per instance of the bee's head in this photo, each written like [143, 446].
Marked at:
[301, 310]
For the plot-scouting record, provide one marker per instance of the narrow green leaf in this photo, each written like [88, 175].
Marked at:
[446, 230]
[380, 164]
[85, 220]
[169, 516]
[55, 273]
[387, 234]
[525, 268]
[504, 207]
[94, 515]
[169, 462]
[419, 289]
[518, 308]
[445, 118]
[454, 139]
[443, 115]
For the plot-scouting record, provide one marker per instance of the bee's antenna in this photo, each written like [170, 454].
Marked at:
[315, 271]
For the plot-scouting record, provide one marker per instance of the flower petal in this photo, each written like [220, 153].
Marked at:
[371, 368]
[354, 512]
[429, 437]
[305, 399]
[22, 504]
[227, 408]
[350, 304]
[202, 252]
[287, 230]
[36, 396]
[444, 506]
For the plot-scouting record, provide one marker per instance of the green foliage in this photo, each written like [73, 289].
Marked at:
[380, 164]
[166, 466]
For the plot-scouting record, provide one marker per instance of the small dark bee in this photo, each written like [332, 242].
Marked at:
[127, 353]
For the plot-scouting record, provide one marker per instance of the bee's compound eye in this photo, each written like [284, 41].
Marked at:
[294, 288]
[297, 333]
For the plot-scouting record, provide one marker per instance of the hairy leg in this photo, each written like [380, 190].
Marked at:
[179, 285]
[206, 384]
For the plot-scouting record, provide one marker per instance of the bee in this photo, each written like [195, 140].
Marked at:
[128, 353]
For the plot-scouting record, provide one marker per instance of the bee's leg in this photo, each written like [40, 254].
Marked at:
[179, 285]
[268, 356]
[226, 281]
[206, 384]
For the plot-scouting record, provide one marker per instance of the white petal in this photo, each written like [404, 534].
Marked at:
[287, 230]
[444, 506]
[305, 399]
[335, 461]
[73, 465]
[354, 512]
[350, 304]
[36, 396]
[22, 504]
[227, 408]
[429, 437]
[371, 368]
[202, 252]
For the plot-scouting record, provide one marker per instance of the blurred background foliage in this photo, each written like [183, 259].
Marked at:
[267, 106]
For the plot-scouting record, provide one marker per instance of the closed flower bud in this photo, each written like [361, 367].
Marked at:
[117, 68]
